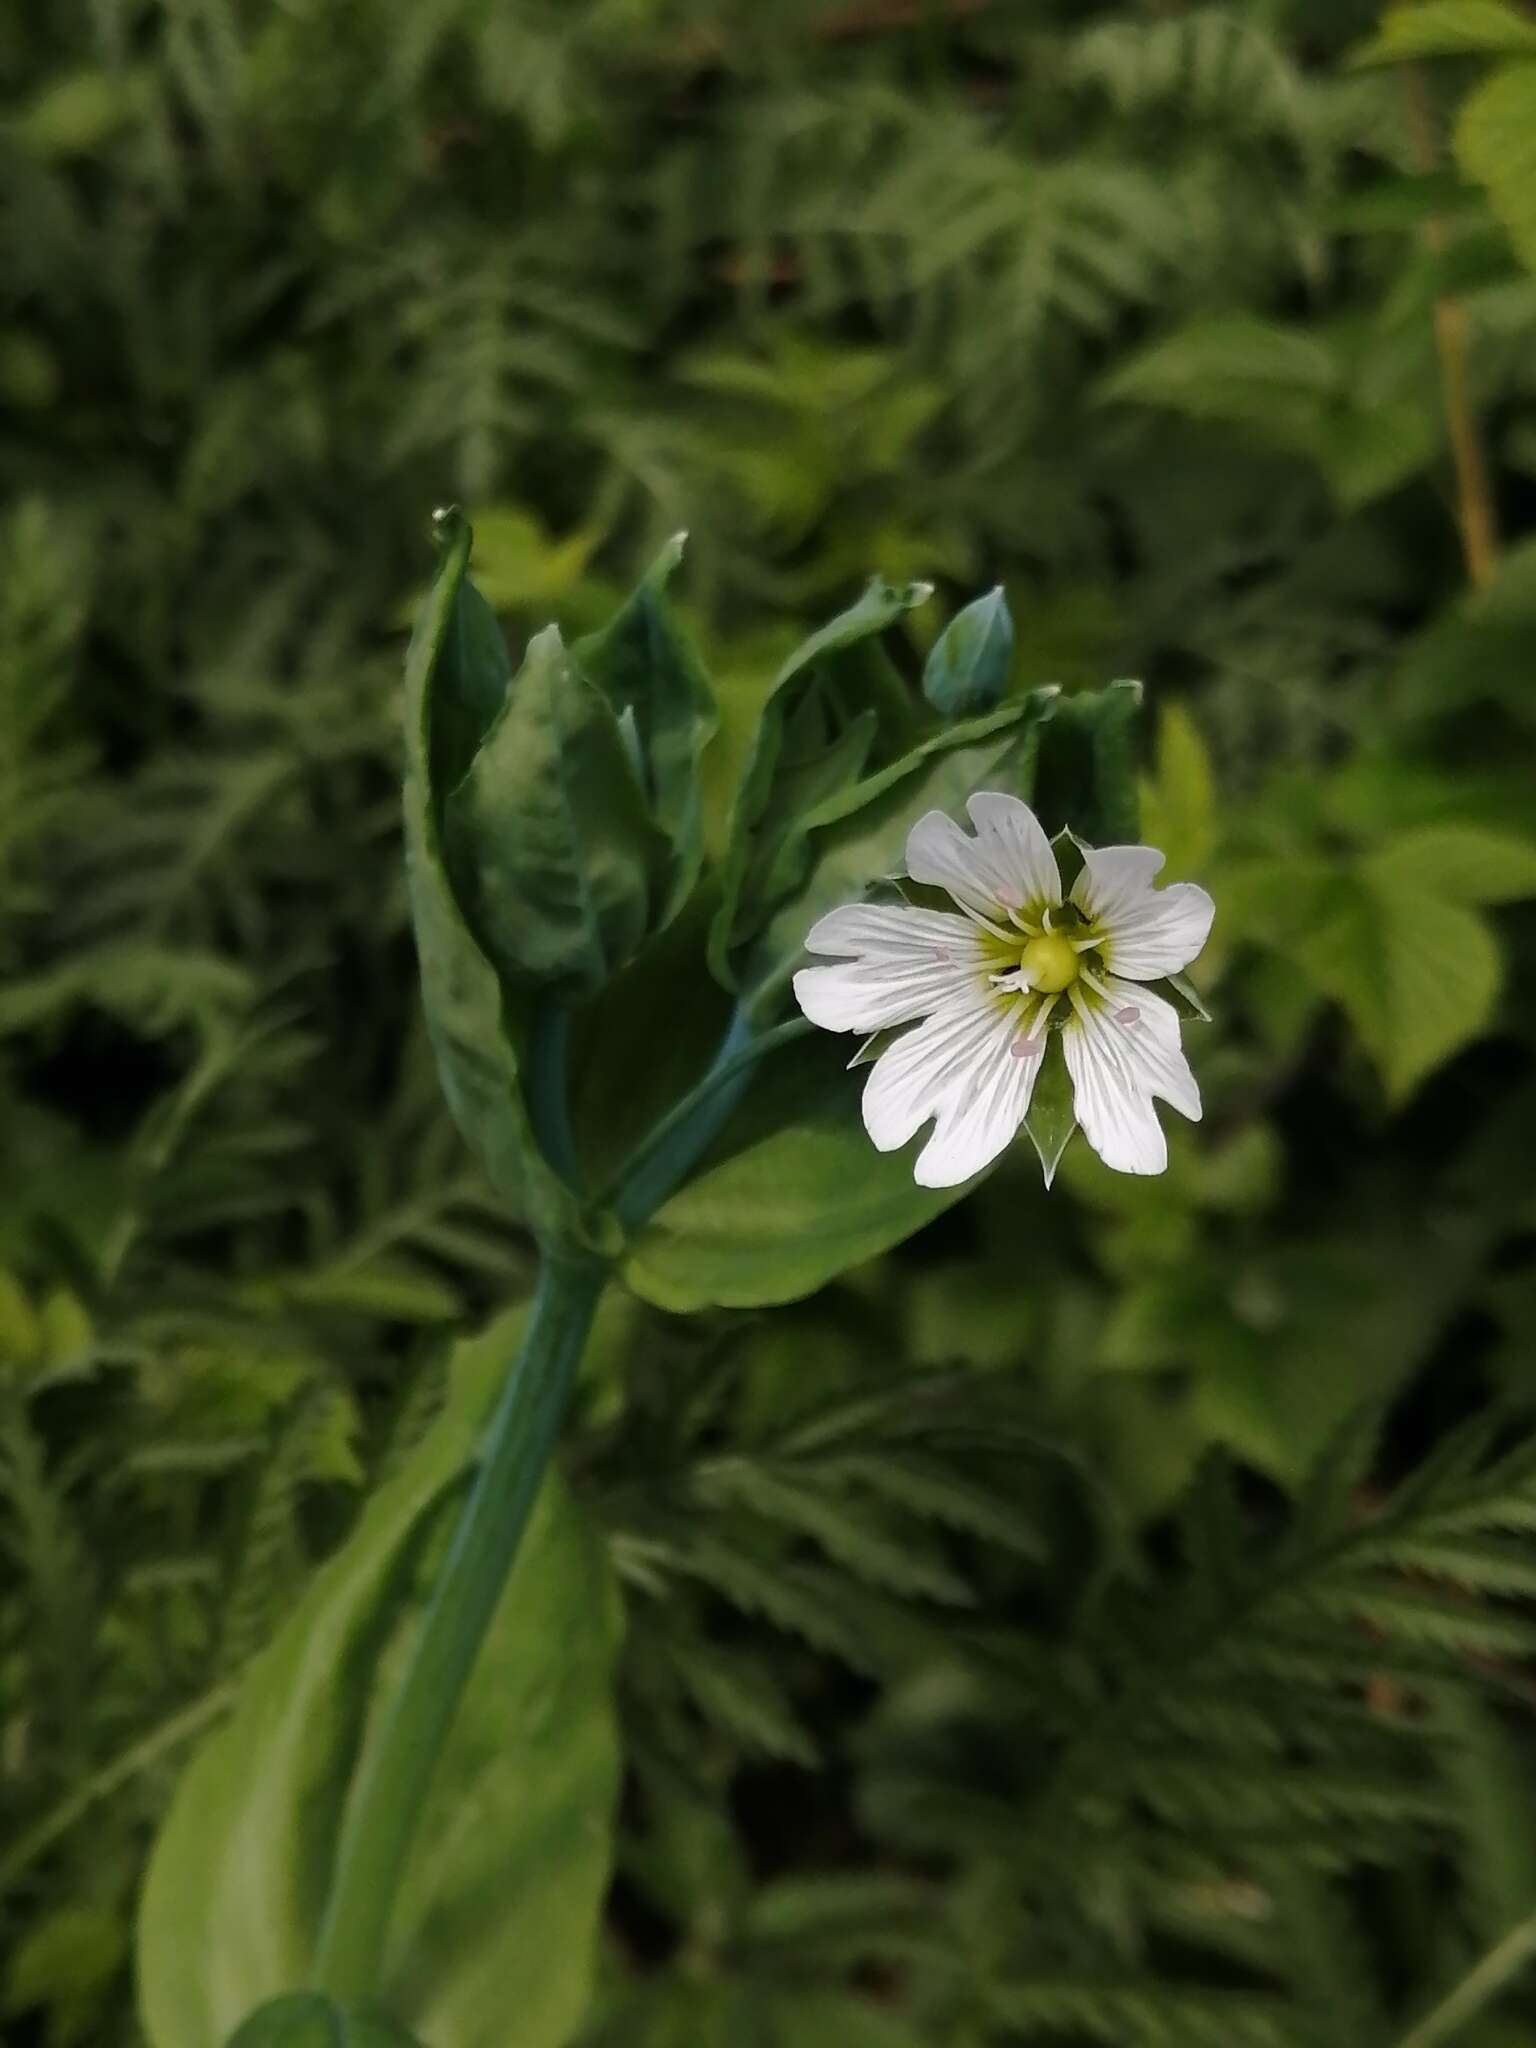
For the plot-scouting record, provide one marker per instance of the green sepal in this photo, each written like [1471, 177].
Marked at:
[553, 854]
[308, 2019]
[967, 670]
[1086, 779]
[452, 675]
[650, 674]
[1179, 990]
[1052, 1118]
[794, 729]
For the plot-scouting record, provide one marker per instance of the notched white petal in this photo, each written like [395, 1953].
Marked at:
[1121, 1055]
[957, 1070]
[1013, 843]
[1148, 932]
[943, 856]
[1008, 863]
[900, 963]
[1160, 935]
[1115, 879]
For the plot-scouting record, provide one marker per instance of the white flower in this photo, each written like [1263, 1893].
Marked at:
[987, 985]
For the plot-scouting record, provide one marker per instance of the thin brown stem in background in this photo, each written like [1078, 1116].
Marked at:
[1475, 515]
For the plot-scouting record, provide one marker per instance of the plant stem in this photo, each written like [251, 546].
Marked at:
[1475, 514]
[1481, 1985]
[686, 1131]
[385, 1802]
[548, 1111]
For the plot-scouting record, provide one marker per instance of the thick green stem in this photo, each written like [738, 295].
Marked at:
[385, 1802]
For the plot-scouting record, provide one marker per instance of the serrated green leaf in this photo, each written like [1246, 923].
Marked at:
[506, 1910]
[388, 1285]
[968, 667]
[1462, 863]
[1448, 28]
[1416, 970]
[1495, 143]
[1229, 366]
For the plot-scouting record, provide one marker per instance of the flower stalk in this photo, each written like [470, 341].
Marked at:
[381, 1815]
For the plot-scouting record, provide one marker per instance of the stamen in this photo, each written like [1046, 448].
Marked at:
[1027, 1048]
[1085, 945]
[1128, 1016]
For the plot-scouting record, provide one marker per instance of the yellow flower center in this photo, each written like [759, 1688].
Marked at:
[1050, 963]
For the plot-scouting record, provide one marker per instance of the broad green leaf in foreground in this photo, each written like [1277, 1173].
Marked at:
[309, 2020]
[499, 1906]
[791, 1195]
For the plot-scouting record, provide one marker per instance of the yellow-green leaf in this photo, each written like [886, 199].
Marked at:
[1495, 143]
[1178, 799]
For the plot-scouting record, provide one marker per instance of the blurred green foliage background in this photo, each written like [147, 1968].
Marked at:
[1013, 1652]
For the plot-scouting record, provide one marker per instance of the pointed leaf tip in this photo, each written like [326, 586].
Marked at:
[448, 525]
[968, 670]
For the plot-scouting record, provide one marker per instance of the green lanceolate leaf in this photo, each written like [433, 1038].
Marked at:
[1085, 778]
[967, 672]
[307, 2019]
[499, 1905]
[551, 849]
[790, 1195]
[1449, 28]
[649, 673]
[794, 733]
[456, 675]
[857, 838]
